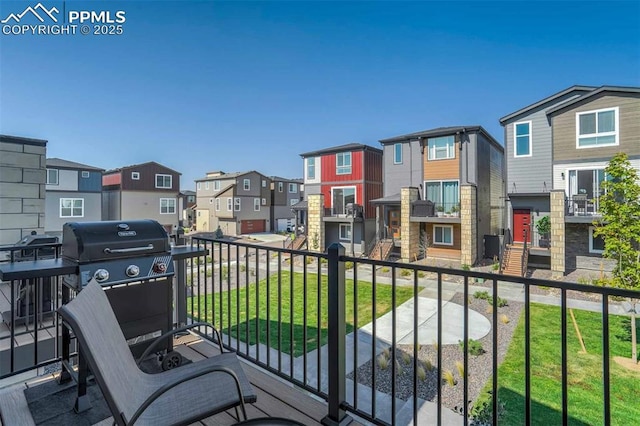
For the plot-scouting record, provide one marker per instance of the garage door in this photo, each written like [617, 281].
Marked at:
[251, 226]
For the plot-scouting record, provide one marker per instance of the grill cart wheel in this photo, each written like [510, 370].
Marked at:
[171, 360]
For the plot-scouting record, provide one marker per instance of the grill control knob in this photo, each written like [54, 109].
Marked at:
[160, 268]
[132, 271]
[101, 275]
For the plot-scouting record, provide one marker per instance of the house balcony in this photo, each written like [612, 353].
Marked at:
[580, 209]
[350, 213]
[427, 211]
[326, 336]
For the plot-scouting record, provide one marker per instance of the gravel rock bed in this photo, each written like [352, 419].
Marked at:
[479, 367]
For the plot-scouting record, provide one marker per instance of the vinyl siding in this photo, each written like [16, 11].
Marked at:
[408, 173]
[53, 221]
[329, 168]
[91, 184]
[67, 180]
[563, 183]
[146, 205]
[564, 129]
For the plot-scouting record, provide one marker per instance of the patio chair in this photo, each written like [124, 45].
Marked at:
[177, 396]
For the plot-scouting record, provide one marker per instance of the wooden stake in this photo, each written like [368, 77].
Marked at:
[575, 325]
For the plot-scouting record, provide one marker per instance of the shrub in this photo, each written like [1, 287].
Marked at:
[447, 376]
[421, 274]
[323, 261]
[385, 269]
[406, 358]
[482, 295]
[495, 266]
[386, 352]
[309, 260]
[504, 319]
[460, 368]
[405, 272]
[243, 268]
[348, 265]
[482, 412]
[421, 373]
[502, 302]
[466, 267]
[473, 346]
[383, 362]
[428, 365]
[489, 309]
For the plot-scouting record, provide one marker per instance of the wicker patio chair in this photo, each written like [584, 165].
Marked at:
[177, 396]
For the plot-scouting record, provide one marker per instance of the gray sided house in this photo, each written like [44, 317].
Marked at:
[142, 191]
[239, 203]
[558, 149]
[74, 194]
[284, 194]
[22, 187]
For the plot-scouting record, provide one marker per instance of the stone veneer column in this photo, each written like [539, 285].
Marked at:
[557, 198]
[315, 234]
[468, 225]
[22, 187]
[409, 231]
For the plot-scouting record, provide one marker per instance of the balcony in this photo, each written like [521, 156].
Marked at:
[350, 212]
[580, 209]
[354, 332]
[428, 211]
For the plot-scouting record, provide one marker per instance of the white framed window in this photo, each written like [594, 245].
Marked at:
[199, 186]
[345, 232]
[311, 168]
[85, 174]
[237, 204]
[135, 175]
[397, 153]
[246, 184]
[217, 204]
[167, 205]
[522, 146]
[256, 204]
[441, 148]
[280, 186]
[293, 188]
[341, 196]
[596, 244]
[229, 204]
[264, 183]
[264, 201]
[71, 207]
[443, 234]
[52, 177]
[216, 185]
[444, 194]
[164, 181]
[343, 163]
[597, 128]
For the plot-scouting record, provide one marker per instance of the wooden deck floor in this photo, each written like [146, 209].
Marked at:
[275, 397]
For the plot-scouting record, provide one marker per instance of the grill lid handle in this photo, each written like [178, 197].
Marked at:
[128, 250]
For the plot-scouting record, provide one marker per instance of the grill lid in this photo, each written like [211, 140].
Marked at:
[99, 241]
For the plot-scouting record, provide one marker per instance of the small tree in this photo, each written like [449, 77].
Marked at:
[620, 225]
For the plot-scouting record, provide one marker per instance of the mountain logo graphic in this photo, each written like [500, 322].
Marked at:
[34, 11]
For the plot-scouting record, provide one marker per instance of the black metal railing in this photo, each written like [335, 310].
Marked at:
[505, 242]
[581, 205]
[425, 208]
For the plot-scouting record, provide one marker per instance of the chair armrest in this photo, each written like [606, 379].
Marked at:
[170, 333]
[193, 375]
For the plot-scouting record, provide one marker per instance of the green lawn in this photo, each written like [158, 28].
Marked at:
[239, 322]
[585, 388]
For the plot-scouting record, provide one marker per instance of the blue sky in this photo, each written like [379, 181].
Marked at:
[234, 86]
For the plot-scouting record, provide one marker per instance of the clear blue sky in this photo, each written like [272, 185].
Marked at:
[234, 86]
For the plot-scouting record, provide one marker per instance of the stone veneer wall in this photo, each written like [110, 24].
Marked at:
[468, 225]
[558, 240]
[22, 187]
[315, 233]
[577, 250]
[409, 231]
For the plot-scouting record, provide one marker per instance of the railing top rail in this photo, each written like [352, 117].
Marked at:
[195, 241]
[14, 247]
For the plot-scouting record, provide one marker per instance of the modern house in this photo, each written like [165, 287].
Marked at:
[186, 205]
[442, 199]
[339, 184]
[557, 150]
[142, 191]
[237, 203]
[284, 194]
[22, 187]
[74, 194]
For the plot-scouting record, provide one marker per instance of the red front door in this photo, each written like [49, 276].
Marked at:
[521, 221]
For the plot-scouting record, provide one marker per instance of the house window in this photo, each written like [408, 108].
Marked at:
[345, 232]
[229, 204]
[135, 175]
[294, 201]
[340, 197]
[164, 181]
[264, 201]
[85, 174]
[293, 188]
[216, 185]
[311, 168]
[167, 205]
[397, 153]
[596, 244]
[280, 186]
[443, 234]
[597, 128]
[587, 184]
[444, 194]
[217, 204]
[256, 204]
[199, 186]
[246, 184]
[522, 139]
[71, 207]
[236, 204]
[52, 176]
[343, 163]
[264, 183]
[206, 185]
[441, 148]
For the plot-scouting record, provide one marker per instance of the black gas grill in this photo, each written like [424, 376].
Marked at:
[132, 261]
